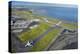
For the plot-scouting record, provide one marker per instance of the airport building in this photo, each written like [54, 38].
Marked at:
[18, 24]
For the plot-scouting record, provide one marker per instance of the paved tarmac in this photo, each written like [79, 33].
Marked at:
[64, 41]
[45, 33]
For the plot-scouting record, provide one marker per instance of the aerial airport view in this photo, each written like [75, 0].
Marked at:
[43, 26]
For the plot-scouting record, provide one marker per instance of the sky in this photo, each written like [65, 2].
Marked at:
[52, 1]
[41, 4]
[69, 13]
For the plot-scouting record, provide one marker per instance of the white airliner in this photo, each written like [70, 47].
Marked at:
[58, 23]
[29, 44]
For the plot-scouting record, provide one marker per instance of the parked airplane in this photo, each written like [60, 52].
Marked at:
[29, 44]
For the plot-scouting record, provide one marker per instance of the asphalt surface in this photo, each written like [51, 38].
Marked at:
[20, 47]
[17, 45]
[45, 33]
[65, 41]
[60, 43]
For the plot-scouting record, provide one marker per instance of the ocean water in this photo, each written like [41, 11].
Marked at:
[63, 13]
[59, 11]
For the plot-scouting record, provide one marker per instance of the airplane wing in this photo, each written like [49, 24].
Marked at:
[28, 44]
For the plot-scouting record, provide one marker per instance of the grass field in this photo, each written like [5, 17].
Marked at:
[71, 26]
[43, 26]
[34, 33]
[45, 41]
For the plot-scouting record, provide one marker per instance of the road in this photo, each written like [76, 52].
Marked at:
[63, 41]
[20, 47]
[17, 45]
[45, 33]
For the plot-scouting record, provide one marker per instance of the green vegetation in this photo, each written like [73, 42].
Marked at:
[43, 26]
[69, 25]
[34, 33]
[45, 41]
